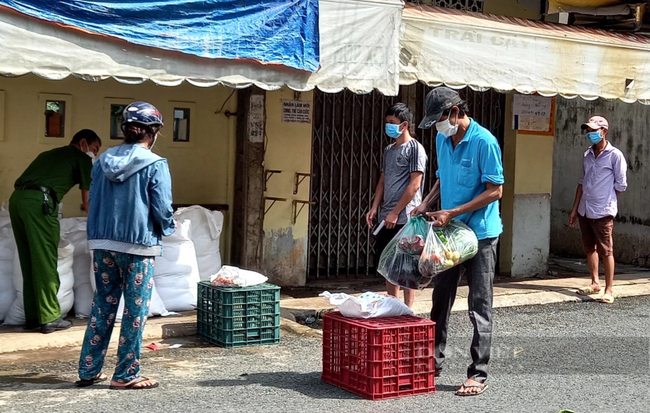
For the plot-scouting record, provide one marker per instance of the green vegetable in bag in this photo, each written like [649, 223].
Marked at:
[445, 248]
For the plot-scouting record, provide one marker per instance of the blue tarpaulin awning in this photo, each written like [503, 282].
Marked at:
[358, 47]
[283, 32]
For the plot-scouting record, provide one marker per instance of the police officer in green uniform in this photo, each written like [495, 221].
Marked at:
[33, 208]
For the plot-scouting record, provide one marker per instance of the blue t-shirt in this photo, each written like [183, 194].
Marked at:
[463, 173]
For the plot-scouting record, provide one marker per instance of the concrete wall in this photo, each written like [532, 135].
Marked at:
[201, 169]
[525, 206]
[629, 131]
[530, 233]
[288, 149]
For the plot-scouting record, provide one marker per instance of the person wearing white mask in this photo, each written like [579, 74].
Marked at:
[469, 185]
[604, 177]
[33, 208]
[400, 185]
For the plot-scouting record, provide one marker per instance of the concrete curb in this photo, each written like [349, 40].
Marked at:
[300, 329]
[156, 329]
[534, 292]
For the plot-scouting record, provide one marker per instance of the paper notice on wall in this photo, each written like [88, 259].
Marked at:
[256, 119]
[531, 113]
[296, 111]
[530, 123]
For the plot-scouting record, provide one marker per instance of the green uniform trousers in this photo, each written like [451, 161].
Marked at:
[37, 238]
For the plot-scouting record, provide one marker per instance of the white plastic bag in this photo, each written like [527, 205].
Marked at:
[229, 276]
[368, 305]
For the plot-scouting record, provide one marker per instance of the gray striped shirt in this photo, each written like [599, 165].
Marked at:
[398, 164]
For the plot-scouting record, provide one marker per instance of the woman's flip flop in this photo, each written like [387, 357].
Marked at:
[142, 383]
[89, 382]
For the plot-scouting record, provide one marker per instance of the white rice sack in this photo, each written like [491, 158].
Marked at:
[74, 231]
[156, 305]
[7, 254]
[16, 314]
[5, 221]
[176, 273]
[205, 230]
[66, 276]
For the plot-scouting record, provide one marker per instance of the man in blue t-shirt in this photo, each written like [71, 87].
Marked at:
[469, 184]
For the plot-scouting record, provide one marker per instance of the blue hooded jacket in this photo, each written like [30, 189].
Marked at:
[130, 201]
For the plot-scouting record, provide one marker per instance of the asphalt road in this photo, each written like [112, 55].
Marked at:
[587, 357]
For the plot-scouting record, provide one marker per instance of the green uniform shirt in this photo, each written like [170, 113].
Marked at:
[59, 169]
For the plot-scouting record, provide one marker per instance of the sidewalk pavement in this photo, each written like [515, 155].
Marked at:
[565, 277]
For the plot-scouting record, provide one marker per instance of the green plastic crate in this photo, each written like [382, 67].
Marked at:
[236, 317]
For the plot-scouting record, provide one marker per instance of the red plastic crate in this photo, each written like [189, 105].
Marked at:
[379, 358]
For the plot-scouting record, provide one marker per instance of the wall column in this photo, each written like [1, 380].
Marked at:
[526, 202]
[286, 225]
[248, 210]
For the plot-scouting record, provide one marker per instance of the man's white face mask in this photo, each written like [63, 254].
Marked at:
[91, 154]
[446, 128]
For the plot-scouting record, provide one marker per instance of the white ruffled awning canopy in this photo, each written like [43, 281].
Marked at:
[459, 49]
[359, 44]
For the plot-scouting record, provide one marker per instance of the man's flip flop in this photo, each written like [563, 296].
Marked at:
[89, 382]
[607, 299]
[481, 387]
[142, 383]
[588, 290]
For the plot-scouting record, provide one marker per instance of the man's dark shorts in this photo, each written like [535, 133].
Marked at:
[597, 235]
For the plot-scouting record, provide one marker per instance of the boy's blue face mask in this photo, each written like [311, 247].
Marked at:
[392, 130]
[594, 137]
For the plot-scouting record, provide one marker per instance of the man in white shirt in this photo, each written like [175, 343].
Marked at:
[604, 176]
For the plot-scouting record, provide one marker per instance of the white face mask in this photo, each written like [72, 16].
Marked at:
[91, 154]
[446, 128]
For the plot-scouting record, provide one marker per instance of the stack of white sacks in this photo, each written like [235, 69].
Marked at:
[190, 255]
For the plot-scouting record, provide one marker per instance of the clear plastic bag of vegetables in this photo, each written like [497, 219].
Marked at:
[445, 248]
[399, 260]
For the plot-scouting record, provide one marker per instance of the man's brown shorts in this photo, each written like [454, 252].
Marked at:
[597, 234]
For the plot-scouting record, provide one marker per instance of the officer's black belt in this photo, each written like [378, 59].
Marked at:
[43, 189]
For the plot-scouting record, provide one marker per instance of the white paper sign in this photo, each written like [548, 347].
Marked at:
[296, 111]
[531, 113]
[528, 105]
